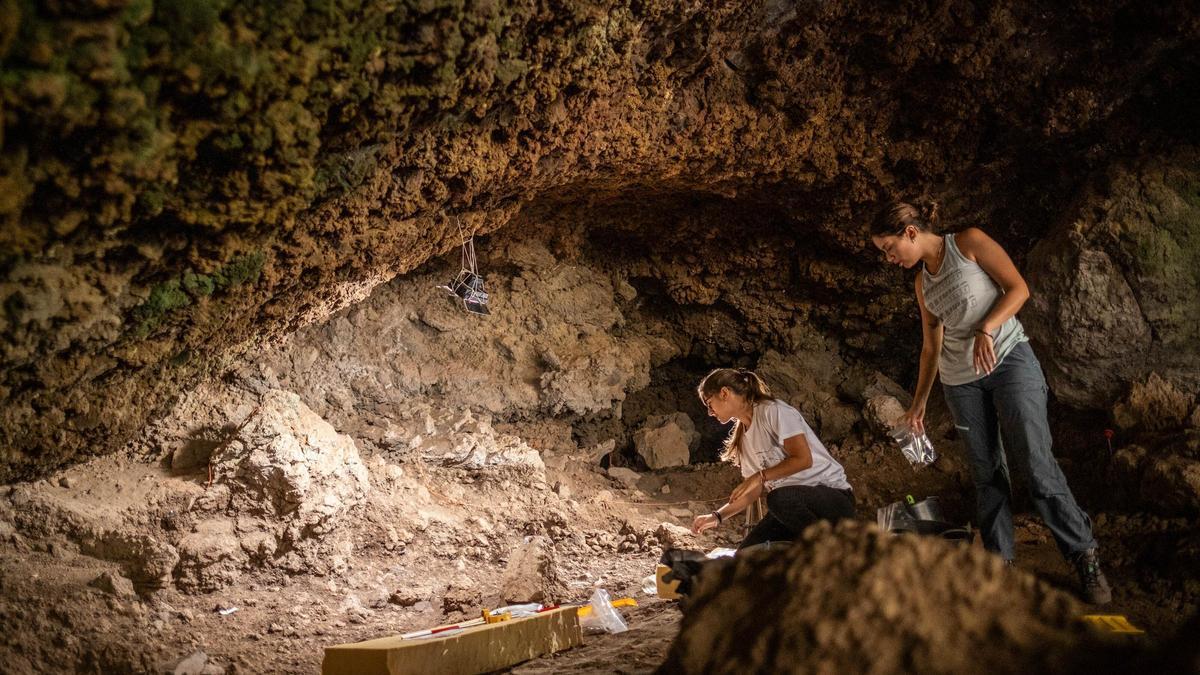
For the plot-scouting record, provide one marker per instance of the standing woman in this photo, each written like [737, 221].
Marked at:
[778, 453]
[969, 293]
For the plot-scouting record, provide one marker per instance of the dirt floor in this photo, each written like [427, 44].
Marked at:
[601, 534]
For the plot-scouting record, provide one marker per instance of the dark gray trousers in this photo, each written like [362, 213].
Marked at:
[1002, 417]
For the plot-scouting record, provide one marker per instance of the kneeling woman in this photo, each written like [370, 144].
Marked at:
[778, 454]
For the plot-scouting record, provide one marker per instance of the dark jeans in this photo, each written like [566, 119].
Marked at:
[1004, 413]
[792, 508]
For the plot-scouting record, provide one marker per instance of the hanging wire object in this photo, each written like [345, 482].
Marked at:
[467, 285]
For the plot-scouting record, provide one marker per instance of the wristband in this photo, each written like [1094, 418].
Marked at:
[720, 518]
[984, 332]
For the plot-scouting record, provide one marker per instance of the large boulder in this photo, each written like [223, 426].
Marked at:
[1116, 286]
[666, 440]
[288, 464]
[809, 377]
[859, 600]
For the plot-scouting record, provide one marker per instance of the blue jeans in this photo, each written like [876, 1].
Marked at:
[1004, 413]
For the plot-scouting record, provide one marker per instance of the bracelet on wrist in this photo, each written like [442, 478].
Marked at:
[719, 517]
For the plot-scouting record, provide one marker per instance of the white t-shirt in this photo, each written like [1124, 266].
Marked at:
[774, 422]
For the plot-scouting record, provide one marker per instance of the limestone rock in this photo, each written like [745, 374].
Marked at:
[113, 584]
[628, 477]
[671, 535]
[286, 463]
[666, 440]
[469, 441]
[1153, 405]
[531, 574]
[882, 412]
[1114, 289]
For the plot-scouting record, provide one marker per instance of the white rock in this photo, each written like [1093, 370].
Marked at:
[288, 463]
[666, 440]
[628, 477]
[882, 412]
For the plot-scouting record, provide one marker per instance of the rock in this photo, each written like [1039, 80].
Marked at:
[461, 599]
[1114, 294]
[599, 450]
[1172, 484]
[835, 421]
[862, 384]
[146, 561]
[113, 584]
[627, 477]
[680, 512]
[671, 535]
[211, 557]
[882, 412]
[562, 490]
[409, 597]
[193, 664]
[67, 482]
[470, 442]
[666, 489]
[880, 604]
[531, 574]
[289, 465]
[666, 440]
[1153, 405]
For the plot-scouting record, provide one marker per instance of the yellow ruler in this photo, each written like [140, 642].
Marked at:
[1112, 623]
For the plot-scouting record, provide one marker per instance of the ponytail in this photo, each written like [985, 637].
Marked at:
[744, 383]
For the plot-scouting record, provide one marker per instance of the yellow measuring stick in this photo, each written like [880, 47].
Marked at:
[623, 602]
[1112, 623]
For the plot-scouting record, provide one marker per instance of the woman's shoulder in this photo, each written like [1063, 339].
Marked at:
[969, 240]
[777, 406]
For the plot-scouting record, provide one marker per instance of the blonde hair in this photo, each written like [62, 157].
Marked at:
[744, 383]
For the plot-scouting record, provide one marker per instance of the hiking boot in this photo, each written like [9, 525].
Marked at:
[1095, 587]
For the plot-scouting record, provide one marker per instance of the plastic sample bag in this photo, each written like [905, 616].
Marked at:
[917, 448]
[604, 618]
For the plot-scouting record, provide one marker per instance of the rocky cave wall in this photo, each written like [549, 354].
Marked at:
[182, 181]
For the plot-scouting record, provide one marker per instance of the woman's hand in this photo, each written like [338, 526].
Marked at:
[705, 522]
[749, 489]
[913, 419]
[985, 353]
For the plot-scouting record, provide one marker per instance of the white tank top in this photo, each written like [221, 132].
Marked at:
[961, 294]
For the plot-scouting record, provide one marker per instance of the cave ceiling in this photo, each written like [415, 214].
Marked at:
[179, 181]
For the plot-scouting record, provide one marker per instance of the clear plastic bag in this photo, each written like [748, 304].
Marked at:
[604, 618]
[917, 448]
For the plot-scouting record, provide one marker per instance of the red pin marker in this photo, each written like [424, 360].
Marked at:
[1108, 436]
